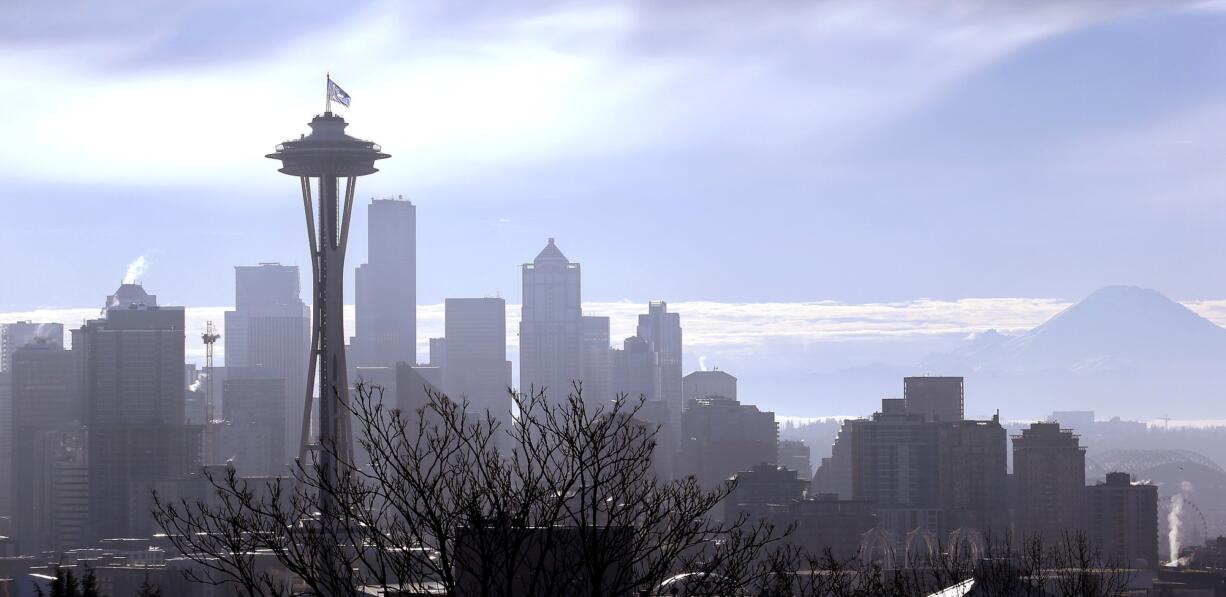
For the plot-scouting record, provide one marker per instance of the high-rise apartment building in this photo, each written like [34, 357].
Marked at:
[894, 464]
[551, 324]
[270, 328]
[721, 437]
[45, 399]
[476, 355]
[1122, 520]
[937, 398]
[386, 287]
[973, 485]
[923, 474]
[1049, 477]
[131, 363]
[597, 360]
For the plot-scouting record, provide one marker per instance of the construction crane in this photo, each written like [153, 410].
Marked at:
[210, 337]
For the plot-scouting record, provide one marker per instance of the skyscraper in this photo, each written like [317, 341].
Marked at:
[663, 330]
[476, 355]
[45, 399]
[131, 362]
[16, 335]
[386, 287]
[1049, 476]
[254, 406]
[550, 327]
[597, 360]
[269, 328]
[937, 398]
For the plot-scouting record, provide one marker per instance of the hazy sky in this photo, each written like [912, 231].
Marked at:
[699, 152]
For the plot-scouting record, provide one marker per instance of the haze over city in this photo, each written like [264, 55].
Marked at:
[843, 207]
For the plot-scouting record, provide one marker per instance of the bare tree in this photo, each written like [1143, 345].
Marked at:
[569, 505]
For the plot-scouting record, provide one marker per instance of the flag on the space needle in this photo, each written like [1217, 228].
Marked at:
[336, 94]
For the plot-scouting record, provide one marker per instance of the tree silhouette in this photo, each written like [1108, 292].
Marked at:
[568, 505]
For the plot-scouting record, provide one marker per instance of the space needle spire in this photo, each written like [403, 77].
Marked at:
[327, 163]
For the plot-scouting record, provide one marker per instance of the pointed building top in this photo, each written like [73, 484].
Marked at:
[550, 253]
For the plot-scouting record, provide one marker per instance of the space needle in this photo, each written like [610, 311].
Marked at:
[321, 160]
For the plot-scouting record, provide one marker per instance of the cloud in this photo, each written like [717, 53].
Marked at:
[453, 91]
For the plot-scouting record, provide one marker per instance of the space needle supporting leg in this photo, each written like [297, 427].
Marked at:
[309, 404]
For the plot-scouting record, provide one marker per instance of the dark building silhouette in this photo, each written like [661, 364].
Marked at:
[973, 480]
[894, 460]
[721, 437]
[476, 355]
[921, 473]
[12, 337]
[1121, 519]
[662, 330]
[551, 324]
[764, 491]
[64, 488]
[794, 454]
[386, 287]
[825, 521]
[704, 384]
[270, 328]
[1048, 481]
[937, 398]
[16, 335]
[253, 440]
[131, 364]
[45, 399]
[597, 360]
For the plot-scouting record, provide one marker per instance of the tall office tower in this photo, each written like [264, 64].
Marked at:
[476, 350]
[131, 365]
[636, 374]
[894, 464]
[550, 326]
[1049, 476]
[597, 361]
[270, 328]
[6, 441]
[65, 487]
[937, 398]
[794, 454]
[45, 399]
[386, 287]
[722, 437]
[636, 371]
[973, 475]
[663, 330]
[1122, 520]
[704, 384]
[16, 335]
[254, 408]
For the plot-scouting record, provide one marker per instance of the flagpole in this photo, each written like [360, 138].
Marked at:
[328, 95]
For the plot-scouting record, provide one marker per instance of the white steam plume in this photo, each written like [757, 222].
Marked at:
[1173, 523]
[702, 363]
[136, 269]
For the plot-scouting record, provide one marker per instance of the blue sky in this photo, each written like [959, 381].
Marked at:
[717, 152]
